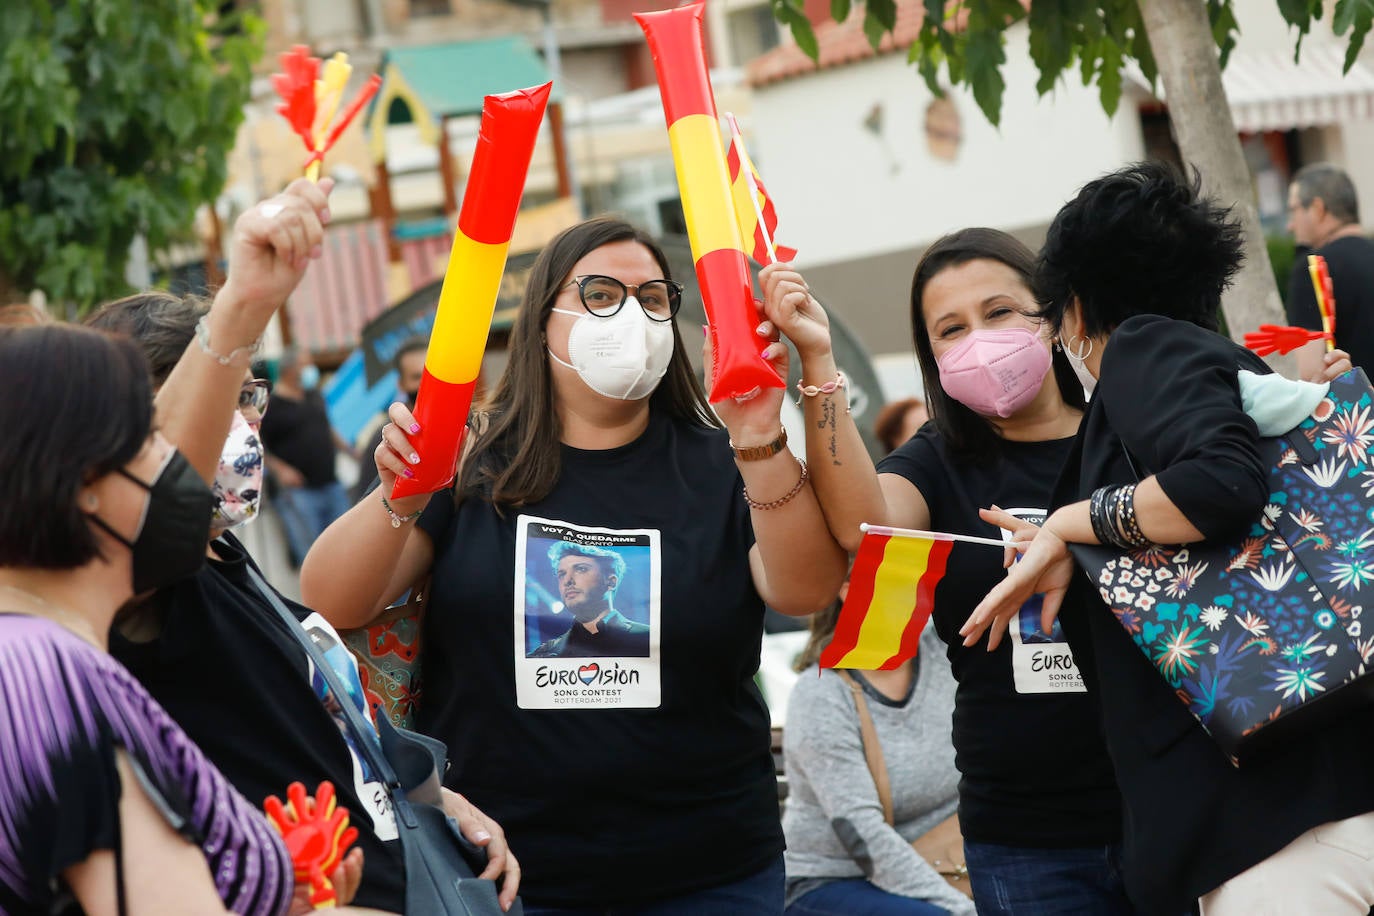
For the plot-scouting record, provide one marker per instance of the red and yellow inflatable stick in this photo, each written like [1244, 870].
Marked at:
[689, 106]
[505, 143]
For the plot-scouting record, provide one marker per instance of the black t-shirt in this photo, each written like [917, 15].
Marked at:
[228, 671]
[1350, 261]
[1028, 745]
[298, 432]
[616, 779]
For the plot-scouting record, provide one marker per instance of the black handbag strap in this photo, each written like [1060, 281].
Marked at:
[364, 734]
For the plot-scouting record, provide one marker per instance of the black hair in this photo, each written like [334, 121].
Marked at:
[415, 344]
[1333, 186]
[161, 324]
[78, 404]
[968, 435]
[1142, 240]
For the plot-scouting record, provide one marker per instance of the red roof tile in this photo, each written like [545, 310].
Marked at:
[844, 43]
[840, 43]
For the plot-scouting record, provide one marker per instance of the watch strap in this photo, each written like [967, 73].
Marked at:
[760, 452]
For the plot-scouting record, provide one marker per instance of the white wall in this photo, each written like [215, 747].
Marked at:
[838, 196]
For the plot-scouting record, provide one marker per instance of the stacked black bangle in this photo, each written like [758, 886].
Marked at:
[1112, 511]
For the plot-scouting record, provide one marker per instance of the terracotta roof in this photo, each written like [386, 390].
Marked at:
[840, 43]
[843, 43]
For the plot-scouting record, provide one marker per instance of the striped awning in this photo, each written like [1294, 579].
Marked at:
[1269, 91]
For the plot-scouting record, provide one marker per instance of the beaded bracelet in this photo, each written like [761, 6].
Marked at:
[1112, 513]
[203, 338]
[829, 387]
[398, 520]
[1127, 524]
[782, 500]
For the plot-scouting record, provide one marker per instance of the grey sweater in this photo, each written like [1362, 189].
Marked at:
[834, 821]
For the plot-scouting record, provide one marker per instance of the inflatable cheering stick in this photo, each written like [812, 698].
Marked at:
[1326, 296]
[505, 143]
[310, 95]
[738, 368]
[317, 835]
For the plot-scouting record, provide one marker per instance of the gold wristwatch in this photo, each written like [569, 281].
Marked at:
[760, 452]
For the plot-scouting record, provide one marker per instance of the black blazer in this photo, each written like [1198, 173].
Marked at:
[1168, 389]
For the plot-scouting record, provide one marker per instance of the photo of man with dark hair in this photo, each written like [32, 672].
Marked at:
[588, 578]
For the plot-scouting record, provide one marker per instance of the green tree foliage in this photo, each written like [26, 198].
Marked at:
[116, 117]
[968, 37]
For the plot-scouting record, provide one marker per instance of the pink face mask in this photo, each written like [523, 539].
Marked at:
[995, 373]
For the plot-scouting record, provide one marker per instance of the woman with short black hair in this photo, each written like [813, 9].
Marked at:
[1130, 279]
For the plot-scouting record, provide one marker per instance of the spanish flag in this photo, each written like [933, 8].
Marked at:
[891, 594]
[758, 219]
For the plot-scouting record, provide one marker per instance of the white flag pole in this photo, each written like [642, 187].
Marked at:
[930, 535]
[745, 166]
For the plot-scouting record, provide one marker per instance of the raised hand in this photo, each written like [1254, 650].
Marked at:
[755, 420]
[790, 308]
[273, 244]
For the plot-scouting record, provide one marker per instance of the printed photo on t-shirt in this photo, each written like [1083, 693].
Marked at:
[587, 616]
[1040, 662]
[370, 789]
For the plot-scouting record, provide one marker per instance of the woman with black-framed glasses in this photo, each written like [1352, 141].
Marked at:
[596, 608]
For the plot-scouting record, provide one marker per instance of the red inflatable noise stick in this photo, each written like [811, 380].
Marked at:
[1271, 338]
[316, 834]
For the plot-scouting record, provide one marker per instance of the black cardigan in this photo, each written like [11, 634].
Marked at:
[1168, 390]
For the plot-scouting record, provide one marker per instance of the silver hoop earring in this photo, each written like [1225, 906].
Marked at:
[1077, 350]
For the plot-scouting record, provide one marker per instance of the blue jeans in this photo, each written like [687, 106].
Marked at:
[760, 894]
[307, 511]
[857, 897]
[1024, 881]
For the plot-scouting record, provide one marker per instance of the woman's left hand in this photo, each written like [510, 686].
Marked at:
[1334, 364]
[758, 419]
[1045, 568]
[485, 832]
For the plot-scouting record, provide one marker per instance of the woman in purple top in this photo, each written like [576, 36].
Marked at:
[105, 804]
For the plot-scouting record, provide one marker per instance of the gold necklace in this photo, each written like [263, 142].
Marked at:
[72, 622]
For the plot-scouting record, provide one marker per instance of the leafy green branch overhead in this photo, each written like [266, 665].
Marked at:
[116, 119]
[968, 38]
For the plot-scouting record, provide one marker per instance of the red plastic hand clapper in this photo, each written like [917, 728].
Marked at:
[317, 835]
[1271, 338]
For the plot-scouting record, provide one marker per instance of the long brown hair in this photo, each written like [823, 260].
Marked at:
[822, 631]
[517, 459]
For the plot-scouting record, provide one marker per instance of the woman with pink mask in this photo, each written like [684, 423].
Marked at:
[1006, 407]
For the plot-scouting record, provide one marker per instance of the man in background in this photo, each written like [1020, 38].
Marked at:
[1324, 216]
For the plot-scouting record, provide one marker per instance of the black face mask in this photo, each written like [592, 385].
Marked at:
[170, 544]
